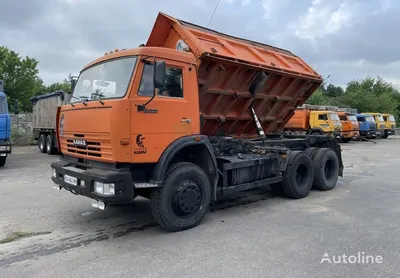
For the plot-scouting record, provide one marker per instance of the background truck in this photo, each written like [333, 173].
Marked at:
[380, 123]
[315, 120]
[350, 126]
[390, 125]
[367, 125]
[44, 119]
[5, 127]
[188, 119]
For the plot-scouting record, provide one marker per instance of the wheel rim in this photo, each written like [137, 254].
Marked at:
[302, 175]
[329, 169]
[187, 198]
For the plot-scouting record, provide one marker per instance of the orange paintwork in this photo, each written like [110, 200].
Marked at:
[349, 129]
[216, 84]
[299, 121]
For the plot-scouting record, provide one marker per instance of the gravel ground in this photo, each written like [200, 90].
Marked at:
[57, 234]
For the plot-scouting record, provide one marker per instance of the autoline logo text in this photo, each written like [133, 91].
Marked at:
[359, 258]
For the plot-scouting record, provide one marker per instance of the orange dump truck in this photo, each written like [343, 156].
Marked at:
[192, 116]
[350, 126]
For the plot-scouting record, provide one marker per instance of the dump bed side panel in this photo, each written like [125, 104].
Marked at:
[230, 68]
[299, 121]
[45, 108]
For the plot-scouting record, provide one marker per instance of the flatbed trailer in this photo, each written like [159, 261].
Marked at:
[191, 117]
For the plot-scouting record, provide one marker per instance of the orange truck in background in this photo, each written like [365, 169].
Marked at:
[350, 126]
[315, 120]
[191, 117]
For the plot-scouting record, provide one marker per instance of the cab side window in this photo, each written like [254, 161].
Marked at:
[173, 82]
[323, 117]
[146, 83]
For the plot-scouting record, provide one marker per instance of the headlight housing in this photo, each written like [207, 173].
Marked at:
[61, 127]
[107, 189]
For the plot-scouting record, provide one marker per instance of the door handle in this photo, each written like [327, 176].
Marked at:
[186, 120]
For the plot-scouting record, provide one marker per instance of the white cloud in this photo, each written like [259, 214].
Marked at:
[322, 19]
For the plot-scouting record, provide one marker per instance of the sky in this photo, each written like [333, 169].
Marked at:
[343, 39]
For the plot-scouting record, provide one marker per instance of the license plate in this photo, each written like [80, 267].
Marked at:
[70, 180]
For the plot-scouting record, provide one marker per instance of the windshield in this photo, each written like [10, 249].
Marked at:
[106, 80]
[334, 117]
[3, 105]
[369, 119]
[380, 118]
[352, 118]
[391, 118]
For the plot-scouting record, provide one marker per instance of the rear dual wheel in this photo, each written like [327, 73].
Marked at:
[314, 168]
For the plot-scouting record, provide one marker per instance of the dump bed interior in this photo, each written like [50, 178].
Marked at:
[235, 74]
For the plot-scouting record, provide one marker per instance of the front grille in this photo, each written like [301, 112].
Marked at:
[97, 145]
[90, 149]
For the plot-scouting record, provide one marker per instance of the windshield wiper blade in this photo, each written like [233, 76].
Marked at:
[100, 95]
[84, 100]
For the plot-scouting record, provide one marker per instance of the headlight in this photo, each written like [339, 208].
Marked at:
[104, 188]
[382, 126]
[61, 127]
[54, 173]
[3, 148]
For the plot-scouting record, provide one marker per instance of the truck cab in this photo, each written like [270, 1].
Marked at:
[380, 123]
[5, 127]
[350, 127]
[367, 125]
[390, 125]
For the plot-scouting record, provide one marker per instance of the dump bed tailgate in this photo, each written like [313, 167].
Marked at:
[235, 74]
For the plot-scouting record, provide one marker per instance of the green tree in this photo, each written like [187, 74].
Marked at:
[319, 97]
[20, 75]
[372, 95]
[334, 91]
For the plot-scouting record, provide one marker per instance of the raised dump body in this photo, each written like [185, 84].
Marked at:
[234, 73]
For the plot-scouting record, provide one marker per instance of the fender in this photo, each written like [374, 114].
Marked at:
[316, 129]
[57, 128]
[177, 145]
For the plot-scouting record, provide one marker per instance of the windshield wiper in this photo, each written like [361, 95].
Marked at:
[84, 100]
[100, 95]
[74, 98]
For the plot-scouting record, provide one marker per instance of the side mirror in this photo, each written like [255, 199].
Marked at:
[15, 104]
[159, 69]
[73, 84]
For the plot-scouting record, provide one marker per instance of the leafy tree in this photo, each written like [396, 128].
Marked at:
[334, 91]
[319, 97]
[20, 75]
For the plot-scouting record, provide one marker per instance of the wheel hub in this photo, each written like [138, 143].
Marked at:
[187, 198]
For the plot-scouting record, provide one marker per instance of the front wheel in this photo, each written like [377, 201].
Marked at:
[3, 160]
[184, 198]
[346, 140]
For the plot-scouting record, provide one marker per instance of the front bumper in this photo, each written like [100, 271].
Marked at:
[121, 178]
[5, 148]
[390, 132]
[368, 134]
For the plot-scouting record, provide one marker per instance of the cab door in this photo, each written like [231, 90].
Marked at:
[173, 112]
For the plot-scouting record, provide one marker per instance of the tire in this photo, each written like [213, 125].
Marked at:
[385, 136]
[316, 133]
[326, 169]
[42, 143]
[299, 175]
[49, 144]
[346, 140]
[311, 151]
[168, 204]
[3, 161]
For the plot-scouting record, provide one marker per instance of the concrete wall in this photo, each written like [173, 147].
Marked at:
[21, 129]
